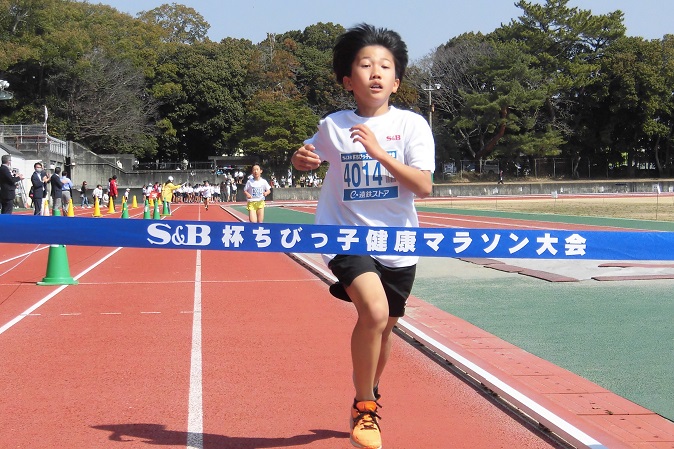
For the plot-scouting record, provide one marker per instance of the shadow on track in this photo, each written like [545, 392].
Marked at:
[157, 434]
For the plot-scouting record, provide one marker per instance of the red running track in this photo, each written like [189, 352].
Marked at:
[208, 349]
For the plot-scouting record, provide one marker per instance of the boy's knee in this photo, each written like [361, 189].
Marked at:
[374, 318]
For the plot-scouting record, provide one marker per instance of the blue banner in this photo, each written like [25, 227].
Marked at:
[302, 238]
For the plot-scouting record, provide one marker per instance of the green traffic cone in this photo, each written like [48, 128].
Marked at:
[155, 214]
[125, 210]
[56, 211]
[146, 211]
[58, 271]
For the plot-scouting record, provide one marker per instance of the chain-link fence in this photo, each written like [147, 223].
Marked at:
[551, 168]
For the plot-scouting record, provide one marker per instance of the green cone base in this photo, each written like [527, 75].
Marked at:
[58, 271]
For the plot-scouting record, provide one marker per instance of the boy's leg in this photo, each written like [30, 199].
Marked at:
[371, 303]
[369, 297]
[252, 214]
[260, 215]
[385, 351]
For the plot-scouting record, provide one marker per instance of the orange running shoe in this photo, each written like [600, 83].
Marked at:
[365, 431]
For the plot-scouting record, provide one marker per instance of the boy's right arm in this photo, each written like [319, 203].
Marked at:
[305, 158]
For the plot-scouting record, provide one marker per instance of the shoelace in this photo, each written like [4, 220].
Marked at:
[367, 420]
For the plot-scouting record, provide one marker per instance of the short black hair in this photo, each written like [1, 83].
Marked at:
[364, 35]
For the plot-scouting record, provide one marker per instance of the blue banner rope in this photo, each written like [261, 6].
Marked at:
[303, 238]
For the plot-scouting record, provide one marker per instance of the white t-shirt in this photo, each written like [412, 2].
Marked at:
[256, 189]
[357, 190]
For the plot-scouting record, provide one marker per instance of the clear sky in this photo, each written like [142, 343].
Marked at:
[423, 27]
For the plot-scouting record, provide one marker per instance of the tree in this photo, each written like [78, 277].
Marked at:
[636, 101]
[491, 97]
[107, 106]
[314, 78]
[203, 88]
[273, 129]
[567, 45]
[506, 109]
[181, 24]
[62, 45]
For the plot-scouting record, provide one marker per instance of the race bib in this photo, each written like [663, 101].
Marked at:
[364, 178]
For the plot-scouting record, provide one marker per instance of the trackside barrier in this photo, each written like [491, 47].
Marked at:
[304, 238]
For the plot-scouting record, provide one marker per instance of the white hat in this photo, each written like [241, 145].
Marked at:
[170, 178]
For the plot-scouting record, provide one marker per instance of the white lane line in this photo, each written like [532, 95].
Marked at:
[23, 255]
[150, 313]
[35, 306]
[528, 405]
[195, 418]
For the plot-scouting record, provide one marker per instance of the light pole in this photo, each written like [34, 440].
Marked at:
[430, 88]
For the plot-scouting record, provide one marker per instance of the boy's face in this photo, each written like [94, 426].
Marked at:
[256, 171]
[373, 80]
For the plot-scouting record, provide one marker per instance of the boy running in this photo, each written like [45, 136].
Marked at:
[206, 193]
[380, 159]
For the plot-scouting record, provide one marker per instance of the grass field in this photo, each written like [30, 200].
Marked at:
[636, 206]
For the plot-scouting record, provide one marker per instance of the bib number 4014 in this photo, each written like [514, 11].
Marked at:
[363, 174]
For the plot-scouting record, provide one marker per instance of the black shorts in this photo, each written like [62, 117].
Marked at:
[397, 282]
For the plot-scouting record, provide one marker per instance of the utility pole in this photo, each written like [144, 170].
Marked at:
[430, 88]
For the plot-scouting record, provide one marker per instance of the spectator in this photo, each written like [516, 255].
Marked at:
[83, 195]
[167, 192]
[67, 192]
[98, 194]
[8, 181]
[56, 189]
[38, 187]
[147, 192]
[112, 189]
